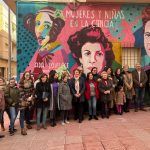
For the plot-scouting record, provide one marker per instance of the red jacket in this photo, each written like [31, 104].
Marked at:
[87, 89]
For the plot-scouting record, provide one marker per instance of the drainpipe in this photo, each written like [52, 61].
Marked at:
[9, 45]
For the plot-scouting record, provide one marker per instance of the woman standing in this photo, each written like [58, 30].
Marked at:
[65, 98]
[2, 102]
[26, 86]
[54, 100]
[119, 78]
[78, 88]
[42, 104]
[105, 88]
[92, 95]
[12, 98]
[128, 87]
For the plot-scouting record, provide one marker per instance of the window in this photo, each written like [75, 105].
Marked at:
[130, 56]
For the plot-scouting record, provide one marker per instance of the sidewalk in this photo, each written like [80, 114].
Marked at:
[131, 131]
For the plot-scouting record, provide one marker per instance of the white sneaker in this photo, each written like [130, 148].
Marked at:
[63, 123]
[67, 122]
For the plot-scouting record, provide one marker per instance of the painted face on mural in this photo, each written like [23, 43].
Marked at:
[147, 38]
[43, 24]
[92, 56]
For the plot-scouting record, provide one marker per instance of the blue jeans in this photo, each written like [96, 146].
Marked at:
[13, 115]
[92, 106]
[39, 111]
[139, 99]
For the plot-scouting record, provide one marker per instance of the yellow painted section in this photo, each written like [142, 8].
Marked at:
[117, 51]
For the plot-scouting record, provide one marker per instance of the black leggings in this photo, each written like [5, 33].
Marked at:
[65, 115]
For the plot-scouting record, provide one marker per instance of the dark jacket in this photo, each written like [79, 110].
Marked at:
[87, 90]
[103, 87]
[12, 94]
[143, 78]
[40, 89]
[81, 90]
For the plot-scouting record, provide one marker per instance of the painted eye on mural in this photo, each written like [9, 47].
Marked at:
[147, 34]
[87, 53]
[37, 23]
[99, 53]
[47, 26]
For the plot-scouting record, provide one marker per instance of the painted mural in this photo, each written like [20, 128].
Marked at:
[64, 36]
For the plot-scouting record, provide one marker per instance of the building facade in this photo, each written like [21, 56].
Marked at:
[61, 36]
[4, 46]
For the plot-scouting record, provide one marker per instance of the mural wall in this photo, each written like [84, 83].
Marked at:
[62, 37]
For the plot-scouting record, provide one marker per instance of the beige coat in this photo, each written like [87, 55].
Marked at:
[120, 98]
[128, 85]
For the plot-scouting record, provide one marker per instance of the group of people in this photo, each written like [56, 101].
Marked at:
[111, 92]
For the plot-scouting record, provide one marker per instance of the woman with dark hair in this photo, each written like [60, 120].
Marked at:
[105, 88]
[45, 25]
[77, 86]
[119, 78]
[92, 95]
[91, 48]
[96, 76]
[26, 87]
[113, 79]
[42, 103]
[54, 99]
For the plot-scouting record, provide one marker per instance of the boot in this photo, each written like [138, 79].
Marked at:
[2, 127]
[29, 126]
[23, 131]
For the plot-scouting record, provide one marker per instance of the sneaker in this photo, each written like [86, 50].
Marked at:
[67, 122]
[44, 127]
[63, 123]
[38, 127]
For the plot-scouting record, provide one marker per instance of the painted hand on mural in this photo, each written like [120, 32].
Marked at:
[91, 48]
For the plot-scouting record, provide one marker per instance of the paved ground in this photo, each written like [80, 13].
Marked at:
[128, 132]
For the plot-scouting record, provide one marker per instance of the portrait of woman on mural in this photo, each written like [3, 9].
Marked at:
[45, 25]
[146, 26]
[91, 48]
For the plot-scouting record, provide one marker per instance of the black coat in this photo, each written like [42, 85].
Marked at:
[81, 90]
[102, 88]
[40, 88]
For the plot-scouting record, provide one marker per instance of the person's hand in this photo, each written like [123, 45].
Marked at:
[105, 92]
[76, 95]
[98, 80]
[108, 92]
[79, 94]
[45, 99]
[141, 85]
